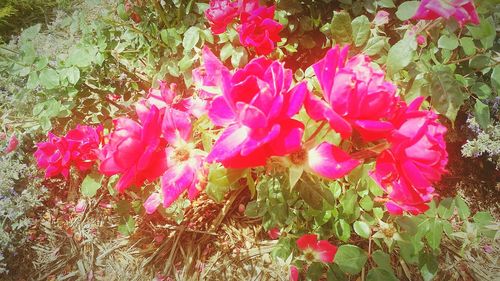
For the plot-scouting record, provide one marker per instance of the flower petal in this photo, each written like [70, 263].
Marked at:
[329, 161]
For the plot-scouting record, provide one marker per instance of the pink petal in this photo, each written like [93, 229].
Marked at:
[326, 251]
[152, 203]
[295, 98]
[176, 124]
[229, 143]
[329, 161]
[372, 130]
[220, 113]
[294, 273]
[307, 241]
[175, 181]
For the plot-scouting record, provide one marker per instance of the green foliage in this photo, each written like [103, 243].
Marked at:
[20, 193]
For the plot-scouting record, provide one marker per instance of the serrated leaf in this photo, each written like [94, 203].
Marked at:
[468, 46]
[340, 27]
[400, 55]
[191, 38]
[360, 30]
[351, 259]
[428, 266]
[435, 234]
[374, 45]
[127, 227]
[314, 194]
[447, 95]
[495, 79]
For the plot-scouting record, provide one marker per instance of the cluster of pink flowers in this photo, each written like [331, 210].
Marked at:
[256, 27]
[78, 148]
[463, 11]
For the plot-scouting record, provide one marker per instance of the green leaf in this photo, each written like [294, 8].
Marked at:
[340, 27]
[408, 224]
[383, 260]
[463, 209]
[400, 55]
[374, 45]
[435, 234]
[91, 184]
[446, 208]
[447, 95]
[33, 81]
[342, 229]
[362, 229]
[480, 62]
[483, 218]
[485, 32]
[351, 259]
[360, 30]
[366, 203]
[226, 51]
[377, 274]
[171, 37]
[349, 201]
[239, 57]
[186, 62]
[428, 266]
[482, 90]
[407, 9]
[80, 56]
[30, 33]
[127, 227]
[49, 78]
[191, 37]
[495, 79]
[468, 45]
[72, 74]
[294, 174]
[220, 180]
[314, 271]
[482, 114]
[449, 42]
[386, 3]
[314, 194]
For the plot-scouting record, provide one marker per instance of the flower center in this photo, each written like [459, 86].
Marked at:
[299, 157]
[181, 154]
[310, 256]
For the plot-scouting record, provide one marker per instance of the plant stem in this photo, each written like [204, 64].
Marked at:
[316, 132]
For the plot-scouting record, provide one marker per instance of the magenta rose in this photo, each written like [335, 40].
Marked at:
[463, 11]
[220, 14]
[256, 110]
[355, 96]
[135, 150]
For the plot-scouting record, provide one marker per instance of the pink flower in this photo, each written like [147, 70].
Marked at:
[381, 18]
[79, 148]
[259, 30]
[256, 109]
[135, 150]
[462, 11]
[421, 40]
[185, 169]
[355, 96]
[315, 250]
[416, 159]
[294, 273]
[325, 159]
[274, 233]
[12, 145]
[207, 80]
[220, 14]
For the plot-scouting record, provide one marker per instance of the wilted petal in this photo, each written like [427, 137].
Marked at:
[152, 203]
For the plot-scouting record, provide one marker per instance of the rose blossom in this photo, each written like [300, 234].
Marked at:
[135, 150]
[355, 96]
[315, 250]
[416, 159]
[462, 11]
[256, 110]
[78, 148]
[259, 30]
[220, 14]
[12, 145]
